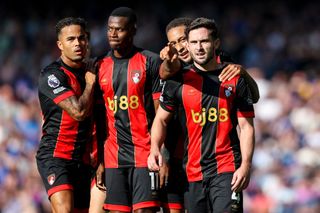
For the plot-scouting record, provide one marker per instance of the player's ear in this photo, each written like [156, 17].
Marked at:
[134, 29]
[59, 44]
[216, 43]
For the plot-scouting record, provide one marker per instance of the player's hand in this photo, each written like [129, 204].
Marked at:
[90, 78]
[164, 174]
[230, 71]
[241, 179]
[100, 177]
[91, 67]
[169, 53]
[155, 160]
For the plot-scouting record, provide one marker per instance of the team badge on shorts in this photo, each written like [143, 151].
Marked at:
[228, 91]
[53, 81]
[51, 178]
[136, 76]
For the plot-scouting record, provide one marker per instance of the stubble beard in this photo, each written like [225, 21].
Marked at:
[205, 61]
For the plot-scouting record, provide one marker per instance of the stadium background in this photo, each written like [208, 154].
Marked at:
[278, 43]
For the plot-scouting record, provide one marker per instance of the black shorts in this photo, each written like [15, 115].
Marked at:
[129, 189]
[60, 174]
[211, 195]
[172, 194]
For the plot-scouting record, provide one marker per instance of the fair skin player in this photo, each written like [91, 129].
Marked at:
[177, 49]
[201, 46]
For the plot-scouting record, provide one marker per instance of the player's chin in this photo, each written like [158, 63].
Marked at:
[78, 58]
[200, 61]
[114, 44]
[187, 60]
[115, 47]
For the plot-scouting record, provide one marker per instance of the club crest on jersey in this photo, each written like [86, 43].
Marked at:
[51, 178]
[228, 91]
[136, 76]
[53, 81]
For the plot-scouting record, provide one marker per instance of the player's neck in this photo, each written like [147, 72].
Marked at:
[211, 65]
[122, 53]
[70, 63]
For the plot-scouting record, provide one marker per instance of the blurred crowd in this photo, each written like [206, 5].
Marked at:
[278, 43]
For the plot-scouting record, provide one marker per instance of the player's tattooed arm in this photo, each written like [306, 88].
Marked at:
[80, 108]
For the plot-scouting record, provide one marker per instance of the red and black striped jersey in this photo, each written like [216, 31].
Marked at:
[129, 86]
[208, 112]
[62, 136]
[174, 138]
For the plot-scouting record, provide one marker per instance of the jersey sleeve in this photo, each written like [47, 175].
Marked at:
[168, 98]
[154, 66]
[244, 101]
[54, 84]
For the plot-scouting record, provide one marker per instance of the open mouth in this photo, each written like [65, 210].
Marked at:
[201, 54]
[79, 52]
[184, 54]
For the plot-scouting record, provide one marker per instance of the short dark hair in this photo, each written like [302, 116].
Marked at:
[210, 24]
[125, 12]
[71, 21]
[177, 22]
